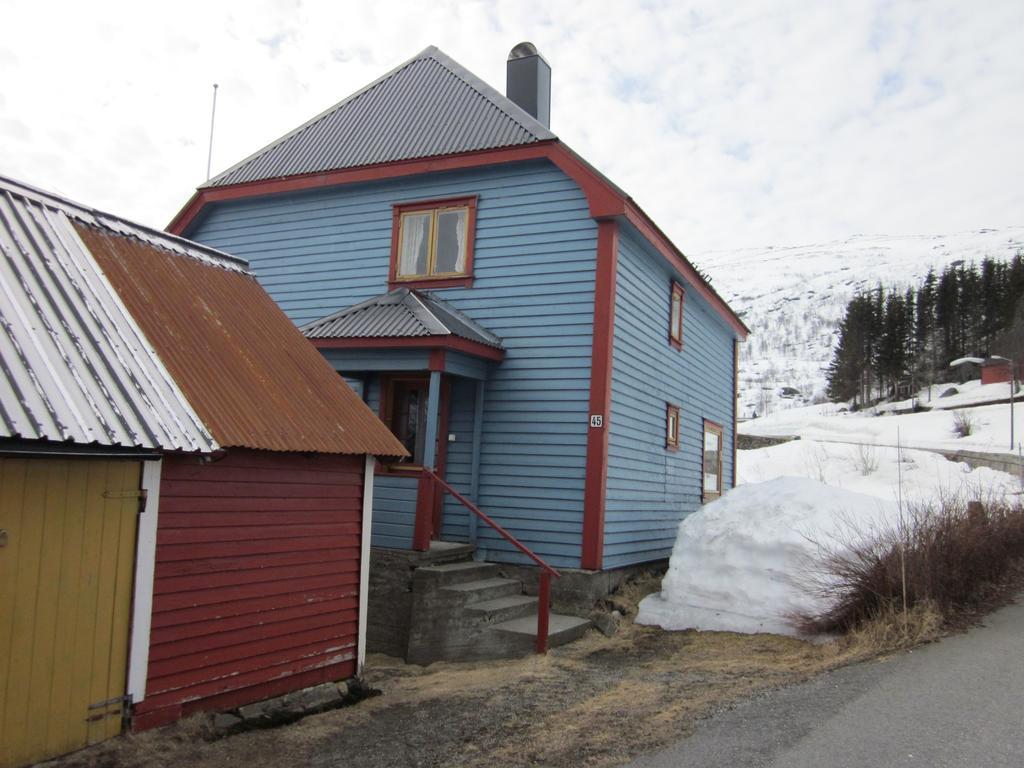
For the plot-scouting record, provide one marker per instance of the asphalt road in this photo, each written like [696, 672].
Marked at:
[959, 702]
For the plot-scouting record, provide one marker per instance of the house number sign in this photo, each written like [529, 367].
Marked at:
[596, 420]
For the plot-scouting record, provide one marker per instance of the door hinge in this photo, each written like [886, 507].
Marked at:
[115, 707]
[141, 494]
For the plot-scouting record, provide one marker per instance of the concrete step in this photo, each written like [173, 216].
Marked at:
[503, 608]
[482, 590]
[561, 629]
[456, 573]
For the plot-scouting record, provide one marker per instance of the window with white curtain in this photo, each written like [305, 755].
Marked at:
[433, 242]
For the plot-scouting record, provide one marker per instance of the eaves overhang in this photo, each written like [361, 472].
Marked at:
[605, 200]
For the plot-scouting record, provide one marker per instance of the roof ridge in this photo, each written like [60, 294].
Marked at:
[499, 100]
[425, 53]
[111, 222]
[505, 106]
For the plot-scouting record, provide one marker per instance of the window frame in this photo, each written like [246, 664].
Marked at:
[444, 280]
[672, 440]
[675, 330]
[715, 428]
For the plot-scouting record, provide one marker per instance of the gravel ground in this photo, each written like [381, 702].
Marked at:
[597, 702]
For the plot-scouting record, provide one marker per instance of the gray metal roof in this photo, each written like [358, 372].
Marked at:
[74, 365]
[401, 313]
[428, 106]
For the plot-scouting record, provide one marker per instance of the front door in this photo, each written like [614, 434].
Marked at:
[67, 554]
[404, 409]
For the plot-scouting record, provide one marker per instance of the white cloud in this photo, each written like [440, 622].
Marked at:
[732, 124]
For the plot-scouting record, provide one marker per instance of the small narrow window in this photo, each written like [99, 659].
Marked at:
[675, 329]
[712, 460]
[672, 427]
[433, 243]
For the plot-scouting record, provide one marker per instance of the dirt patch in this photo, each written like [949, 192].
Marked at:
[597, 702]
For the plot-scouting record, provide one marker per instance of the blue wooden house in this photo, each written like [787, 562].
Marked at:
[518, 321]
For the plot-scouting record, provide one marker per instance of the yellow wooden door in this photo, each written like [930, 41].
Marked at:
[67, 559]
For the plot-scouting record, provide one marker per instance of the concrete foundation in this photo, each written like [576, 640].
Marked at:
[389, 613]
[577, 592]
[442, 605]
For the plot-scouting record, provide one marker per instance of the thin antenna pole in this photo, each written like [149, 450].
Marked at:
[904, 532]
[213, 115]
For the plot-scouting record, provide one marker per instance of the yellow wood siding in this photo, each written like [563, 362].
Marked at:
[65, 602]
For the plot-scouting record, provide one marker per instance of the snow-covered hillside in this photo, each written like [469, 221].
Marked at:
[793, 298]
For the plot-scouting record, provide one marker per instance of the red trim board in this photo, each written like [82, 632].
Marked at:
[603, 198]
[453, 343]
[595, 485]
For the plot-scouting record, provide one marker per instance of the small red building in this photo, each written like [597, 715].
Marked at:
[996, 370]
[194, 476]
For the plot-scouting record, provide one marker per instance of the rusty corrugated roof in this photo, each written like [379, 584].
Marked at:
[252, 378]
[401, 313]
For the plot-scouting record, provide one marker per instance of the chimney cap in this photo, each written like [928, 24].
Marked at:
[524, 50]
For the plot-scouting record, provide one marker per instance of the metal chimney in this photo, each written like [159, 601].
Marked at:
[528, 82]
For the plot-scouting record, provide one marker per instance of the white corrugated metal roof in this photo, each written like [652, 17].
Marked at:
[74, 365]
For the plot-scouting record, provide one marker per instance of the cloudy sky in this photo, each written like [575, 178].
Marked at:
[733, 124]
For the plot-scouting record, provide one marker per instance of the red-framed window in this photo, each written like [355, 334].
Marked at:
[672, 427]
[675, 316]
[432, 243]
[713, 447]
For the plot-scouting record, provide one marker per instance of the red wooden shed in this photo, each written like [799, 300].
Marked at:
[187, 484]
[261, 548]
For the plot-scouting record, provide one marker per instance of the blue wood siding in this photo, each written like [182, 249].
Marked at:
[318, 251]
[394, 496]
[459, 462]
[651, 489]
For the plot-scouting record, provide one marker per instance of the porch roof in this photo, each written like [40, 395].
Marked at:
[403, 313]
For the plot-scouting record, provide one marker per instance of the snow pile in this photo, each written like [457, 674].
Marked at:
[742, 563]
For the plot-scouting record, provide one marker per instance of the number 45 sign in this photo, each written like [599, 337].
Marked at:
[596, 420]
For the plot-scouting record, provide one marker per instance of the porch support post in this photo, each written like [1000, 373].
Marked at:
[423, 528]
[474, 472]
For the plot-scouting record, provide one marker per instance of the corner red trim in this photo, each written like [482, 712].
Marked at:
[735, 402]
[453, 343]
[595, 485]
[604, 199]
[436, 360]
[451, 281]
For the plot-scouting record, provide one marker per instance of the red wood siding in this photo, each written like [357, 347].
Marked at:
[256, 589]
[995, 373]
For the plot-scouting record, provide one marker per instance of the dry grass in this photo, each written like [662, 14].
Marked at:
[950, 558]
[597, 702]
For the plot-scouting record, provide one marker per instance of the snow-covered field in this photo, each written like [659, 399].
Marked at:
[792, 298]
[885, 473]
[932, 429]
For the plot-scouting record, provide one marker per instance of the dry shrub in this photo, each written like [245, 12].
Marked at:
[946, 555]
[893, 630]
[963, 423]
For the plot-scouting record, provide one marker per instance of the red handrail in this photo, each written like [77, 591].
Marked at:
[544, 587]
